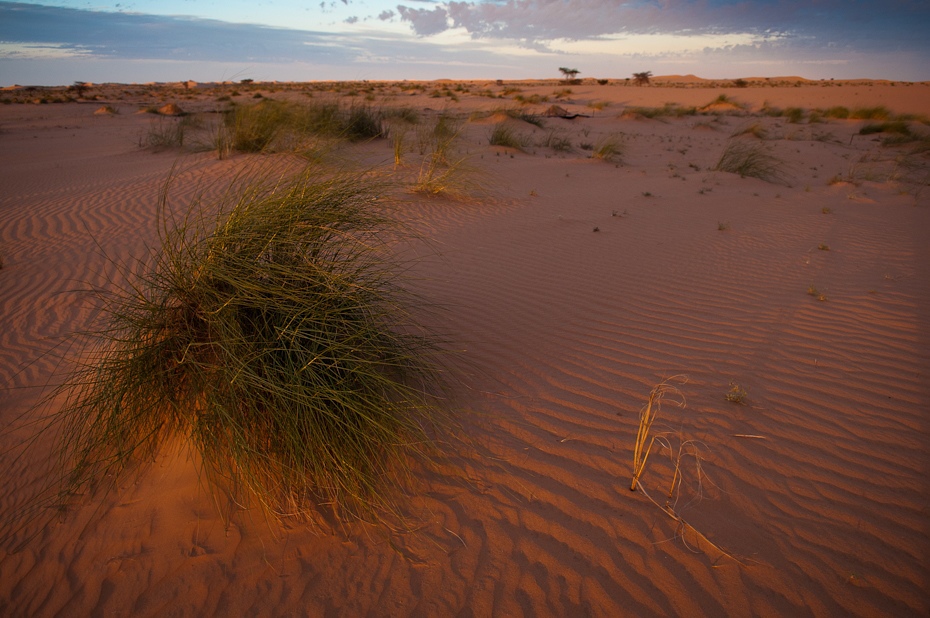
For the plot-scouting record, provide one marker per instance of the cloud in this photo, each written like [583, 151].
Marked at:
[480, 39]
[134, 36]
[871, 23]
[425, 21]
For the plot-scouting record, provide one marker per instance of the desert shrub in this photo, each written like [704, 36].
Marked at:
[754, 129]
[273, 126]
[439, 139]
[165, 133]
[444, 172]
[794, 114]
[894, 126]
[504, 135]
[557, 142]
[407, 114]
[609, 148]
[277, 342]
[669, 109]
[519, 114]
[533, 99]
[361, 122]
[442, 176]
[751, 159]
[254, 128]
[839, 112]
[879, 112]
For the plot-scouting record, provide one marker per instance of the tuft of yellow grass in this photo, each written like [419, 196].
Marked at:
[647, 416]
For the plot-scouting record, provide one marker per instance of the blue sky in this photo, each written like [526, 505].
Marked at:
[59, 42]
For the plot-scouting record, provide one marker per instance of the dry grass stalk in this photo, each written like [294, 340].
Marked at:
[685, 449]
[647, 417]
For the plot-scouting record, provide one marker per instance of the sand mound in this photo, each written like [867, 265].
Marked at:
[171, 109]
[557, 110]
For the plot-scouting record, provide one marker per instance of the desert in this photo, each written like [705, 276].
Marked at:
[748, 260]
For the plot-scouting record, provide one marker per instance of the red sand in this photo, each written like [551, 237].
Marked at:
[816, 488]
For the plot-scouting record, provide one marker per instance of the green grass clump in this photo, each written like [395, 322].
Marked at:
[407, 114]
[165, 133]
[794, 114]
[898, 127]
[277, 126]
[443, 176]
[556, 142]
[504, 135]
[755, 129]
[609, 148]
[668, 110]
[519, 114]
[839, 112]
[276, 342]
[879, 112]
[737, 394]
[751, 159]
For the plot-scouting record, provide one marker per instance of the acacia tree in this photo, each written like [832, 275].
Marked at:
[78, 87]
[642, 79]
[569, 73]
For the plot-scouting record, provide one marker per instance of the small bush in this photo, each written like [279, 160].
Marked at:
[870, 113]
[755, 129]
[668, 110]
[442, 176]
[556, 142]
[519, 114]
[751, 159]
[504, 135]
[894, 126]
[165, 133]
[360, 123]
[275, 126]
[407, 114]
[737, 394]
[794, 114]
[839, 112]
[277, 343]
[609, 148]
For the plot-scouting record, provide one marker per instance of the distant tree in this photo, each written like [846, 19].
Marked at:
[79, 88]
[740, 83]
[246, 81]
[569, 73]
[642, 79]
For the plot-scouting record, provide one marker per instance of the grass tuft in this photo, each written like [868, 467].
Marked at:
[276, 342]
[753, 160]
[737, 394]
[276, 126]
[503, 135]
[897, 127]
[609, 148]
[647, 416]
[813, 291]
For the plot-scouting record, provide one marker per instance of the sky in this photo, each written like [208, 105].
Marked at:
[136, 41]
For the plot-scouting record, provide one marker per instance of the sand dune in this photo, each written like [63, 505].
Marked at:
[571, 286]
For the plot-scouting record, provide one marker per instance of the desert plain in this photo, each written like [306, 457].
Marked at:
[577, 262]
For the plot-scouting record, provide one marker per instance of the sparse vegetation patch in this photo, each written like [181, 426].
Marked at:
[277, 342]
